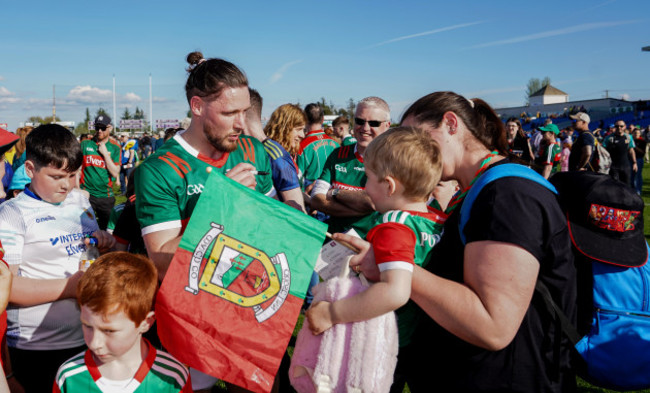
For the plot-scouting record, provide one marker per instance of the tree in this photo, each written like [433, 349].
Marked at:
[534, 85]
[352, 106]
[102, 112]
[139, 114]
[82, 127]
[126, 115]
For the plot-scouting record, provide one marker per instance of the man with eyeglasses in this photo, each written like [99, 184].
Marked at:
[339, 191]
[583, 147]
[100, 169]
[620, 146]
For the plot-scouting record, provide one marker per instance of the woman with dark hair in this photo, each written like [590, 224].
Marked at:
[518, 143]
[484, 331]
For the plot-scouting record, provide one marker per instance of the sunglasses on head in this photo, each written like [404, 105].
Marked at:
[100, 127]
[371, 123]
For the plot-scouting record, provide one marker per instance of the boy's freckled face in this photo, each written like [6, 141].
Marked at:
[110, 337]
[51, 184]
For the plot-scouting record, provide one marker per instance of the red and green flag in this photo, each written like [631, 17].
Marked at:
[232, 294]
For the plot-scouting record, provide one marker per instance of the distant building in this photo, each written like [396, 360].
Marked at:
[548, 95]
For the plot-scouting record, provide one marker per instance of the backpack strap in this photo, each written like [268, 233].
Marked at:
[494, 173]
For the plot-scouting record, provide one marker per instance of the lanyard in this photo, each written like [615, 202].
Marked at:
[458, 198]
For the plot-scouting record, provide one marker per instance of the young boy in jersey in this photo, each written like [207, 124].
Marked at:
[116, 297]
[403, 166]
[43, 231]
[550, 152]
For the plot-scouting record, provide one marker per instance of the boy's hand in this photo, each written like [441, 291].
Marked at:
[70, 290]
[320, 317]
[105, 241]
[364, 261]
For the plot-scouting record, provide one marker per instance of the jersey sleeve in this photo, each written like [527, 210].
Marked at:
[393, 245]
[285, 175]
[262, 164]
[12, 234]
[112, 219]
[157, 205]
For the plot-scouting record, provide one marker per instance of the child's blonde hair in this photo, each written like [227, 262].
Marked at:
[119, 281]
[410, 156]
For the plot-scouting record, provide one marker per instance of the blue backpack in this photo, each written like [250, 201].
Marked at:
[614, 349]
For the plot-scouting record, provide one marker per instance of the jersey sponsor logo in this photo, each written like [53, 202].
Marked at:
[194, 189]
[343, 186]
[239, 273]
[180, 166]
[360, 168]
[94, 161]
[341, 168]
[69, 237]
[43, 219]
[429, 239]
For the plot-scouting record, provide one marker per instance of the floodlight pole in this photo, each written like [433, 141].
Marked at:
[645, 49]
[150, 107]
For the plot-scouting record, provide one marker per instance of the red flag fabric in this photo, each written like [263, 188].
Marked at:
[232, 294]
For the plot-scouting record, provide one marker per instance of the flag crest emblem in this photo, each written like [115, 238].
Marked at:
[239, 273]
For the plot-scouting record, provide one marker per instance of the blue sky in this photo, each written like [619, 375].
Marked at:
[300, 51]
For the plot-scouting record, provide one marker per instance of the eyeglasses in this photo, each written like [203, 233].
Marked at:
[100, 127]
[371, 123]
[619, 126]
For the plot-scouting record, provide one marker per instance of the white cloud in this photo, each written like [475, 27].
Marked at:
[440, 30]
[4, 92]
[161, 99]
[625, 97]
[89, 95]
[131, 97]
[280, 72]
[9, 100]
[553, 33]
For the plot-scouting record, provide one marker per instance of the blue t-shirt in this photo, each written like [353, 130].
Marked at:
[284, 172]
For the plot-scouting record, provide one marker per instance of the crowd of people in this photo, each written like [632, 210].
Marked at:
[399, 188]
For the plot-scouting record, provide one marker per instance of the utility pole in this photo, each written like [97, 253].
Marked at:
[53, 103]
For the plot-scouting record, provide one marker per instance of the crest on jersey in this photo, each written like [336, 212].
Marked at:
[239, 273]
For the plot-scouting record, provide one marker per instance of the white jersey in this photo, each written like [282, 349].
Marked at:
[45, 240]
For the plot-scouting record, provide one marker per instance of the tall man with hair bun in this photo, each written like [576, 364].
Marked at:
[100, 169]
[168, 183]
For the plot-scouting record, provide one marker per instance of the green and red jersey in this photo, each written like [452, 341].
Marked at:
[95, 177]
[313, 153]
[159, 372]
[169, 183]
[550, 154]
[344, 169]
[400, 240]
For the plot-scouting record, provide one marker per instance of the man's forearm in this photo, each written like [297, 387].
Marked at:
[332, 207]
[358, 201]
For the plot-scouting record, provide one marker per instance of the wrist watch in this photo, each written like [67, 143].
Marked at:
[335, 192]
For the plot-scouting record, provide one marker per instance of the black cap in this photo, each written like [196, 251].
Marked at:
[104, 120]
[605, 217]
